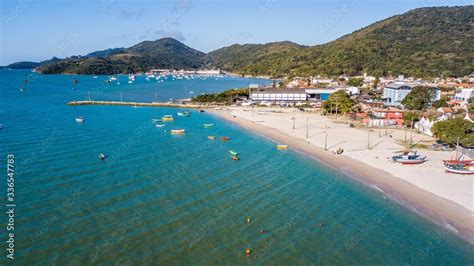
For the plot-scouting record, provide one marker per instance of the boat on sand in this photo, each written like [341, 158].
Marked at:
[408, 157]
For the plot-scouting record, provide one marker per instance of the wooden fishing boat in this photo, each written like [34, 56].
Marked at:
[462, 167]
[234, 153]
[282, 147]
[178, 131]
[211, 137]
[208, 125]
[235, 158]
[408, 157]
[166, 118]
[225, 138]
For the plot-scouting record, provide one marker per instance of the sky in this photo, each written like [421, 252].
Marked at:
[35, 30]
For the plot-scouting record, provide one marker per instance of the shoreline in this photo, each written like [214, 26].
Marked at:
[443, 212]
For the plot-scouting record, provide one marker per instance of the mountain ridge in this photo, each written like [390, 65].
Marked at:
[423, 42]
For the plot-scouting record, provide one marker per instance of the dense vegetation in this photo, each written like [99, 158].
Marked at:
[453, 129]
[227, 96]
[424, 42]
[419, 98]
[338, 102]
[162, 53]
[23, 65]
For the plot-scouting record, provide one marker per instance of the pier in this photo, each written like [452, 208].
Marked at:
[147, 104]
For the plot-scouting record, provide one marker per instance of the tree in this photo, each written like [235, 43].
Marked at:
[408, 117]
[443, 102]
[339, 102]
[419, 98]
[453, 129]
[356, 82]
[376, 82]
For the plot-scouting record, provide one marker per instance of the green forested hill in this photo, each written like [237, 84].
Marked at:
[162, 53]
[422, 42]
[425, 42]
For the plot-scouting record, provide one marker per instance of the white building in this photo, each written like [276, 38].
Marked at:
[395, 92]
[323, 94]
[424, 126]
[464, 94]
[279, 96]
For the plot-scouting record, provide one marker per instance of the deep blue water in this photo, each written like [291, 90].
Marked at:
[180, 200]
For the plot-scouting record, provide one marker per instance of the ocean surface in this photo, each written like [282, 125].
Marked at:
[180, 200]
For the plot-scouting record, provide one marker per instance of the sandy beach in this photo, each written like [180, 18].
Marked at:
[446, 199]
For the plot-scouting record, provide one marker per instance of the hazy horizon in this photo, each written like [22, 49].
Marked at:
[60, 29]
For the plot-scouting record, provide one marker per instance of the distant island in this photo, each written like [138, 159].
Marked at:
[424, 42]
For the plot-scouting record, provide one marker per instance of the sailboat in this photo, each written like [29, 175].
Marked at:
[459, 166]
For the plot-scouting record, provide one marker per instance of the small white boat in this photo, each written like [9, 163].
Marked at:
[208, 125]
[102, 156]
[80, 119]
[155, 120]
[160, 125]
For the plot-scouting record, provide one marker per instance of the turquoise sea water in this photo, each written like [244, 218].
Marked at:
[180, 200]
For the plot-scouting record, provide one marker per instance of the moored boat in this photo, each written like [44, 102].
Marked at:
[234, 153]
[282, 147]
[235, 158]
[102, 156]
[167, 118]
[80, 119]
[178, 131]
[208, 125]
[159, 125]
[211, 137]
[225, 138]
[155, 120]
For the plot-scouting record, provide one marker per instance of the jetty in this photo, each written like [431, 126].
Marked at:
[147, 104]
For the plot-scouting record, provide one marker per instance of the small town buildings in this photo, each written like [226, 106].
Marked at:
[395, 92]
[424, 126]
[278, 96]
[322, 94]
[464, 94]
[381, 117]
